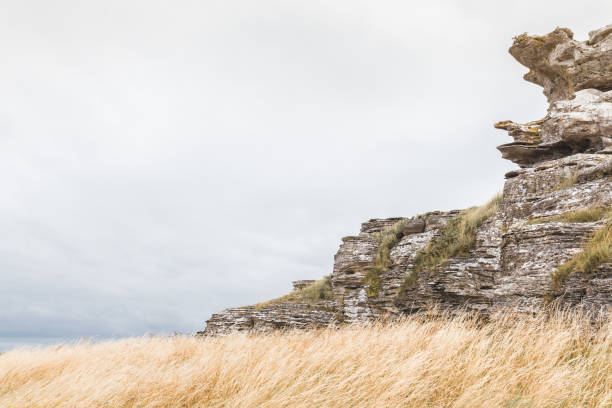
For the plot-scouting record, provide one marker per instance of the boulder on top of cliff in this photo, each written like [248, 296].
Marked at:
[563, 65]
[577, 80]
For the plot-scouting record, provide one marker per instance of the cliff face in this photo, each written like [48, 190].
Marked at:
[547, 239]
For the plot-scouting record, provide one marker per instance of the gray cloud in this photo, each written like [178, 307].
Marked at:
[163, 160]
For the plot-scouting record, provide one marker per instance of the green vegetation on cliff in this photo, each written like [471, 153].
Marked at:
[318, 291]
[456, 238]
[582, 215]
[596, 251]
[386, 240]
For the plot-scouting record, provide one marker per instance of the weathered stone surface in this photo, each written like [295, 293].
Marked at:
[274, 317]
[583, 123]
[528, 133]
[301, 284]
[357, 254]
[534, 192]
[577, 80]
[579, 125]
[566, 166]
[528, 155]
[563, 65]
[461, 282]
[601, 170]
[414, 227]
[530, 253]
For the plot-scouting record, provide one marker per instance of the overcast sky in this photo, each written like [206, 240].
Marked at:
[163, 160]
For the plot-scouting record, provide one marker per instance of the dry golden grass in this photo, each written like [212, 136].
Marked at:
[567, 182]
[419, 362]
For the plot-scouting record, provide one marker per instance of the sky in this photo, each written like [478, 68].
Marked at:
[163, 160]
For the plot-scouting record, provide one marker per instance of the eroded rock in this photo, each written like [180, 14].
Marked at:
[562, 65]
[580, 125]
[566, 166]
[273, 317]
[301, 284]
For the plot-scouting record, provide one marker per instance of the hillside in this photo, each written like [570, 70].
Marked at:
[421, 361]
[546, 240]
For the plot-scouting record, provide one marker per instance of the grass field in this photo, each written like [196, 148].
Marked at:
[514, 361]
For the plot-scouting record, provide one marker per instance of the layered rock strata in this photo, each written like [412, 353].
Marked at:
[278, 316]
[565, 164]
[301, 284]
[562, 65]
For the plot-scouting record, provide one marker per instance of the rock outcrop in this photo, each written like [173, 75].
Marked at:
[532, 247]
[562, 65]
[278, 316]
[580, 125]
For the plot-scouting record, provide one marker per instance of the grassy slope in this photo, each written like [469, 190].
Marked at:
[419, 362]
[318, 291]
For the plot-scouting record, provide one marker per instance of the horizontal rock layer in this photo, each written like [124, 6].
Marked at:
[278, 316]
[580, 125]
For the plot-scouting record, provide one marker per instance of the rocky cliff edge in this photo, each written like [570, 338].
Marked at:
[546, 239]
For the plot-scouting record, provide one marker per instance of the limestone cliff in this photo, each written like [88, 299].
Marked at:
[548, 238]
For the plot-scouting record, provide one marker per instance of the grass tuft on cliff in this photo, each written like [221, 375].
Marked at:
[567, 182]
[596, 251]
[318, 291]
[457, 238]
[582, 215]
[515, 361]
[386, 240]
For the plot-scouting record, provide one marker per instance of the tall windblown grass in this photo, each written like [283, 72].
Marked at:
[513, 361]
